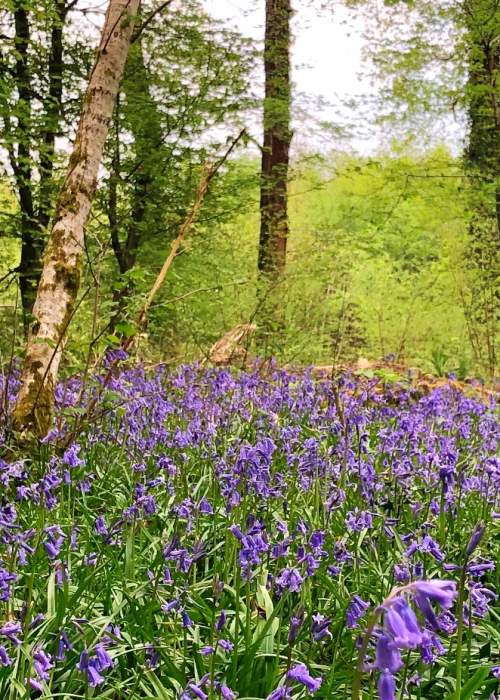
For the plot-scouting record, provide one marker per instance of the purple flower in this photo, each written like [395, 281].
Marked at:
[289, 579]
[226, 645]
[197, 691]
[186, 620]
[101, 528]
[205, 507]
[152, 657]
[5, 659]
[104, 660]
[475, 539]
[386, 686]
[207, 651]
[6, 578]
[10, 631]
[282, 693]
[221, 621]
[401, 623]
[90, 668]
[295, 625]
[300, 674]
[401, 573]
[72, 456]
[226, 692]
[319, 627]
[441, 592]
[355, 611]
[64, 646]
[42, 663]
[356, 521]
[388, 656]
[430, 647]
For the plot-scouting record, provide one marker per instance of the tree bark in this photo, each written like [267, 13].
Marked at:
[274, 175]
[34, 189]
[22, 167]
[277, 139]
[60, 280]
[482, 18]
[52, 112]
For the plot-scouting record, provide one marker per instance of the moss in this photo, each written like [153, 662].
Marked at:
[68, 276]
[34, 411]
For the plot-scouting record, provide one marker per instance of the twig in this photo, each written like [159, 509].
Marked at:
[149, 19]
[214, 287]
[210, 172]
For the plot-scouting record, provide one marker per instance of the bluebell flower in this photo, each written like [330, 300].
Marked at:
[289, 579]
[387, 655]
[221, 621]
[300, 674]
[63, 646]
[355, 611]
[441, 592]
[5, 659]
[90, 668]
[401, 623]
[42, 663]
[104, 660]
[6, 580]
[319, 627]
[11, 630]
[226, 645]
[284, 692]
[152, 657]
[386, 686]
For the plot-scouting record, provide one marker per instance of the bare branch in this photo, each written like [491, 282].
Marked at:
[149, 19]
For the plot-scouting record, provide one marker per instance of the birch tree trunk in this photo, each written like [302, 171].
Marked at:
[60, 279]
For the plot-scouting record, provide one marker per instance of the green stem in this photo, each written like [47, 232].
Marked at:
[356, 684]
[460, 631]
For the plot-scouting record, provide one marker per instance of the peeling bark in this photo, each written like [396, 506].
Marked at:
[60, 280]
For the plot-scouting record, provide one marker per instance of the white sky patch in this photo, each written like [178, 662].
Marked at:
[330, 76]
[327, 66]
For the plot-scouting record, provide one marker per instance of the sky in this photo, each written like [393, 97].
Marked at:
[327, 64]
[329, 72]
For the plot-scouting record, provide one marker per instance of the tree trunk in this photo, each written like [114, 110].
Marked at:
[35, 193]
[52, 112]
[277, 139]
[60, 280]
[274, 170]
[22, 166]
[483, 164]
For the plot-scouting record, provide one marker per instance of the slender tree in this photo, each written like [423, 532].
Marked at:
[60, 279]
[434, 58]
[274, 172]
[32, 75]
[482, 160]
[277, 139]
[163, 131]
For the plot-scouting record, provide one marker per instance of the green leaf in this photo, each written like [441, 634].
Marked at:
[474, 682]
[126, 328]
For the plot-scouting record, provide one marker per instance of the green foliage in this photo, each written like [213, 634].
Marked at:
[376, 266]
